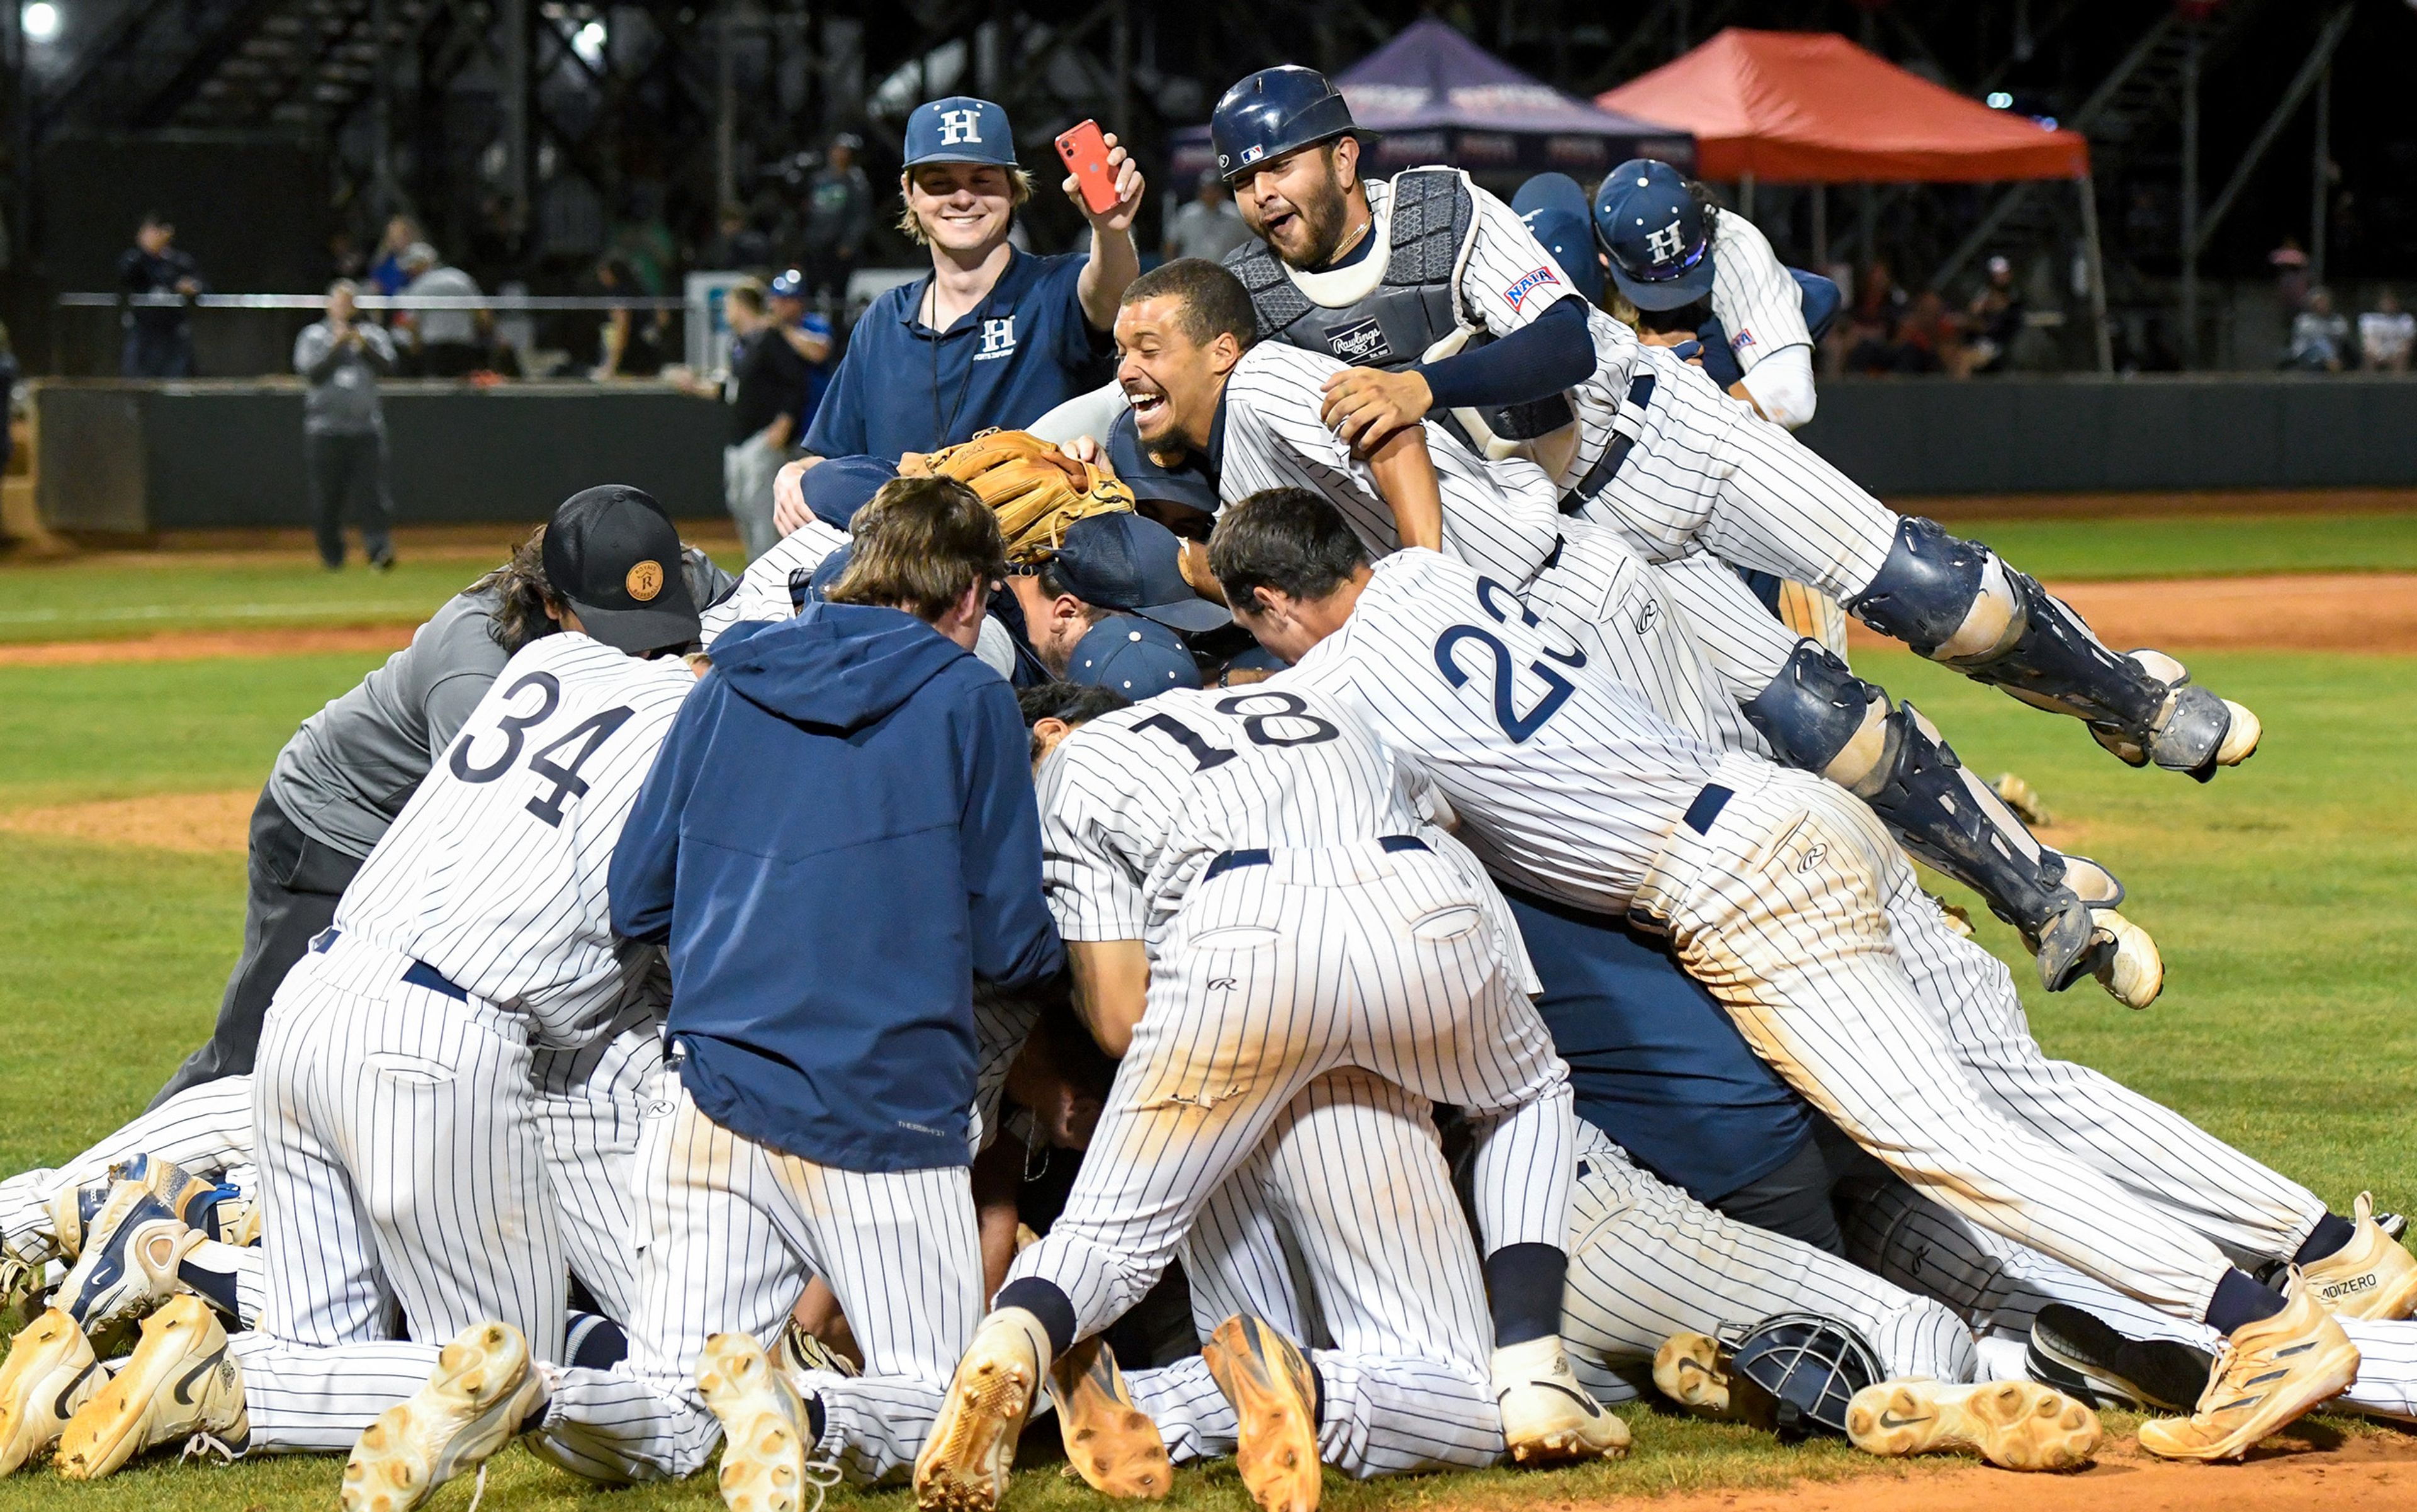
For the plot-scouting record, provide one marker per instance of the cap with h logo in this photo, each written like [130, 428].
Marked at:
[1654, 231]
[613, 555]
[959, 129]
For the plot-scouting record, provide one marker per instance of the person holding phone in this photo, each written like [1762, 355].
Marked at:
[994, 336]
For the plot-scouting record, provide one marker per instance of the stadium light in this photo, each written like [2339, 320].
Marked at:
[588, 42]
[2000, 100]
[40, 20]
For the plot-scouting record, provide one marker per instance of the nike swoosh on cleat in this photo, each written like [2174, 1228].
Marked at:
[59, 1408]
[183, 1395]
[1890, 1420]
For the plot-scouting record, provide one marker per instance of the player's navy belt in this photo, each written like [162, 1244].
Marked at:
[419, 973]
[1225, 860]
[1598, 478]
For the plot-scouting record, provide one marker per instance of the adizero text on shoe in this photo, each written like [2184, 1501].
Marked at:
[963, 1464]
[2371, 1278]
[181, 1383]
[49, 1372]
[1268, 1380]
[764, 1427]
[2267, 1375]
[2015, 1425]
[2078, 1353]
[1111, 1442]
[1689, 1370]
[1547, 1417]
[470, 1407]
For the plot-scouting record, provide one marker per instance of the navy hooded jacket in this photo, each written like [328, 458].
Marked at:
[838, 836]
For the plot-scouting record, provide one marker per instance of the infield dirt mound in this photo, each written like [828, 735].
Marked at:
[208, 645]
[162, 821]
[2303, 1470]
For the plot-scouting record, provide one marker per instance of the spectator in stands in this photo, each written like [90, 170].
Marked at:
[2320, 336]
[634, 341]
[838, 214]
[10, 375]
[341, 359]
[388, 272]
[737, 246]
[1208, 225]
[2385, 334]
[158, 337]
[1996, 318]
[450, 343]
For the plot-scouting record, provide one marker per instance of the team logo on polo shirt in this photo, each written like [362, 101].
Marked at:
[1528, 283]
[997, 338]
[644, 581]
[1361, 343]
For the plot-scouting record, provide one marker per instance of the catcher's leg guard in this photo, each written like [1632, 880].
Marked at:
[1819, 716]
[1956, 602]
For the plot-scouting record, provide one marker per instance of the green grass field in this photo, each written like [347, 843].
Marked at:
[2280, 893]
[108, 597]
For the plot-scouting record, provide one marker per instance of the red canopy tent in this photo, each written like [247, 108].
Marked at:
[1812, 108]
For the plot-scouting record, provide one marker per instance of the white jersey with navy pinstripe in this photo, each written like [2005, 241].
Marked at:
[771, 586]
[1569, 779]
[495, 874]
[1134, 804]
[1754, 295]
[1504, 518]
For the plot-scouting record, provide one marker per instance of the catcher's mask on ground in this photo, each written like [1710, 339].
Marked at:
[1794, 1373]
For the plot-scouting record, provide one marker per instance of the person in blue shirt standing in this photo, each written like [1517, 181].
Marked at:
[994, 336]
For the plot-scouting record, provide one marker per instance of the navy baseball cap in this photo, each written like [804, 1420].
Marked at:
[828, 571]
[1570, 241]
[1124, 561]
[1255, 658]
[789, 284]
[837, 487]
[1132, 462]
[1133, 656]
[614, 555]
[1551, 192]
[1654, 231]
[959, 129]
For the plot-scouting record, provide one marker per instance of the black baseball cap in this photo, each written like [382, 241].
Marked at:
[614, 555]
[1125, 561]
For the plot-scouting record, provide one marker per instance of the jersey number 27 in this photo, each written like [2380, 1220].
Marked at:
[587, 735]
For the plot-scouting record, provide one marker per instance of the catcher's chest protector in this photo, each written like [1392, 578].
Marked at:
[1433, 220]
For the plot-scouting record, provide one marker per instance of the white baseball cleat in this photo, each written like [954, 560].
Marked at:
[1688, 1369]
[1267, 1379]
[1547, 1417]
[766, 1429]
[49, 1372]
[1111, 1442]
[2015, 1425]
[2370, 1277]
[128, 1265]
[963, 1464]
[472, 1403]
[180, 1384]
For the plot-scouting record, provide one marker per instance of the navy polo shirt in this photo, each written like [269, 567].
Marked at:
[1020, 353]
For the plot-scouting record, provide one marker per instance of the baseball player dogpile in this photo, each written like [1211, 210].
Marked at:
[1501, 993]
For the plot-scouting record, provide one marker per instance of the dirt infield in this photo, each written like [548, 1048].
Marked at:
[160, 821]
[2371, 1471]
[208, 645]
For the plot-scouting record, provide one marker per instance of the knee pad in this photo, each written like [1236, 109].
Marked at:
[1821, 717]
[1947, 598]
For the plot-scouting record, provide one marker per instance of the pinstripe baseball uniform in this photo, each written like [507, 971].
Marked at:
[1779, 890]
[402, 1163]
[1300, 917]
[1755, 297]
[1376, 1274]
[1999, 1286]
[768, 588]
[1504, 518]
[204, 1130]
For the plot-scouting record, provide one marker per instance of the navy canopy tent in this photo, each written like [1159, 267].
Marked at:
[1437, 96]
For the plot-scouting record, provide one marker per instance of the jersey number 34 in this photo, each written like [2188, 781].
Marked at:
[587, 735]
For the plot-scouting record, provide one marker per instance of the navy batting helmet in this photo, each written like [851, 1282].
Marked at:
[1273, 112]
[1799, 1370]
[1661, 256]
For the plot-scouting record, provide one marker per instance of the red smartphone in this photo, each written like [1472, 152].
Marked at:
[1085, 151]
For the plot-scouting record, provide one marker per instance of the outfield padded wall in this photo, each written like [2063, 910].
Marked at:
[131, 458]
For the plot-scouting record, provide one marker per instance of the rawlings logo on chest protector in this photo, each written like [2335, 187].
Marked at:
[1361, 343]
